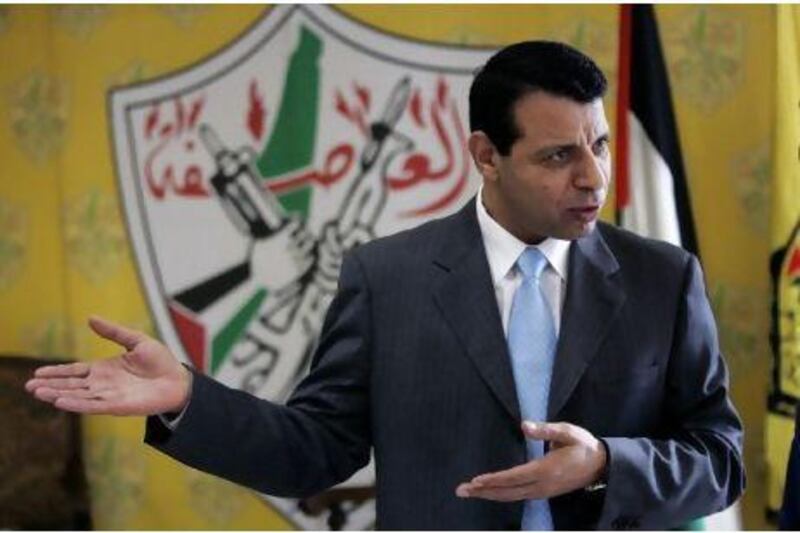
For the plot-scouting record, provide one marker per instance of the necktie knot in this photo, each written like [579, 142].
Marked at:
[531, 263]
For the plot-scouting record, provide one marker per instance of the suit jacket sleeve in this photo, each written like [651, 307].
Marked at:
[697, 464]
[319, 438]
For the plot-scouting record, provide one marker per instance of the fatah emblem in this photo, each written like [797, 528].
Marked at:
[785, 331]
[246, 178]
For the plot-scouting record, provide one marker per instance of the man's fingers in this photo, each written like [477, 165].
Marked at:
[47, 394]
[91, 406]
[123, 336]
[55, 383]
[62, 371]
[549, 431]
[50, 394]
[501, 494]
[523, 474]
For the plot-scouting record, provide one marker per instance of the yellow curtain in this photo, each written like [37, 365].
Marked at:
[64, 251]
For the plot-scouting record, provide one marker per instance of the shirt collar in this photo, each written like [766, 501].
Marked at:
[503, 249]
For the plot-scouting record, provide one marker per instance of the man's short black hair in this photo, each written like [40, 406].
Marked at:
[523, 68]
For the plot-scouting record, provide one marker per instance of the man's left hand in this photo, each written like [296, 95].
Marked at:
[576, 459]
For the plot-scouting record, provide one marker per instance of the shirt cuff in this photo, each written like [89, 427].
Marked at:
[171, 420]
[602, 481]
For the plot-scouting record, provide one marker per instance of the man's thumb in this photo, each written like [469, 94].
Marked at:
[556, 433]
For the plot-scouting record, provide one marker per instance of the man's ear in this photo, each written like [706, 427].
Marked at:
[484, 154]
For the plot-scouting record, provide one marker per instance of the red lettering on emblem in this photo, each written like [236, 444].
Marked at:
[176, 136]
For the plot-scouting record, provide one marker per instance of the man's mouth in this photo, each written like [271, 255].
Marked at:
[585, 213]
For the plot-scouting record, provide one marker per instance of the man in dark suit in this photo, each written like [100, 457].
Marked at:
[456, 350]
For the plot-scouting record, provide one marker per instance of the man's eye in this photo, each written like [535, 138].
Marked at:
[559, 156]
[601, 146]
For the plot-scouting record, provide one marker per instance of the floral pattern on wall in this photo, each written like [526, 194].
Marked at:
[38, 111]
[95, 240]
[50, 337]
[597, 40]
[116, 472]
[751, 172]
[706, 63]
[217, 501]
[134, 72]
[13, 242]
[183, 16]
[5, 19]
[742, 323]
[80, 21]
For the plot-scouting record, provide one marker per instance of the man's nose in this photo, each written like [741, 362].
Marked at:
[590, 173]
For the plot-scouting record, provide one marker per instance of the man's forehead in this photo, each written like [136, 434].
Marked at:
[541, 113]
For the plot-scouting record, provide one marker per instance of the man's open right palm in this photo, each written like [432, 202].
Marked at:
[145, 380]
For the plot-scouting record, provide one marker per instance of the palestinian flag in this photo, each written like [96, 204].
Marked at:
[652, 193]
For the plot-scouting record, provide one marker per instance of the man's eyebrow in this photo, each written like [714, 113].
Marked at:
[555, 147]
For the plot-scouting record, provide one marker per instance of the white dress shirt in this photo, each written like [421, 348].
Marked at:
[503, 249]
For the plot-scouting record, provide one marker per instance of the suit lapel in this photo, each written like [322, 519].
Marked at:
[593, 299]
[465, 296]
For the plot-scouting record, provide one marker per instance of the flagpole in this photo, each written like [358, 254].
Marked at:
[621, 172]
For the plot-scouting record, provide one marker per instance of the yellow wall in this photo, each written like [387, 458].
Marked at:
[63, 247]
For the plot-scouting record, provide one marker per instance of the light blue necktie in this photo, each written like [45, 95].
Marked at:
[532, 344]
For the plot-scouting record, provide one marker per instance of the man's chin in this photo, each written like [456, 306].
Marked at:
[574, 233]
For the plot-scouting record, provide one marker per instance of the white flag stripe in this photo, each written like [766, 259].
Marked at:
[728, 520]
[652, 211]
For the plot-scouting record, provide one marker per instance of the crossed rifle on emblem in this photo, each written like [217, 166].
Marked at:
[299, 271]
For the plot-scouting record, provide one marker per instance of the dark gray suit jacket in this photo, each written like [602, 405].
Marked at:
[412, 363]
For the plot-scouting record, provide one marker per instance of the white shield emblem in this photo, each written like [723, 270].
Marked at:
[309, 132]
